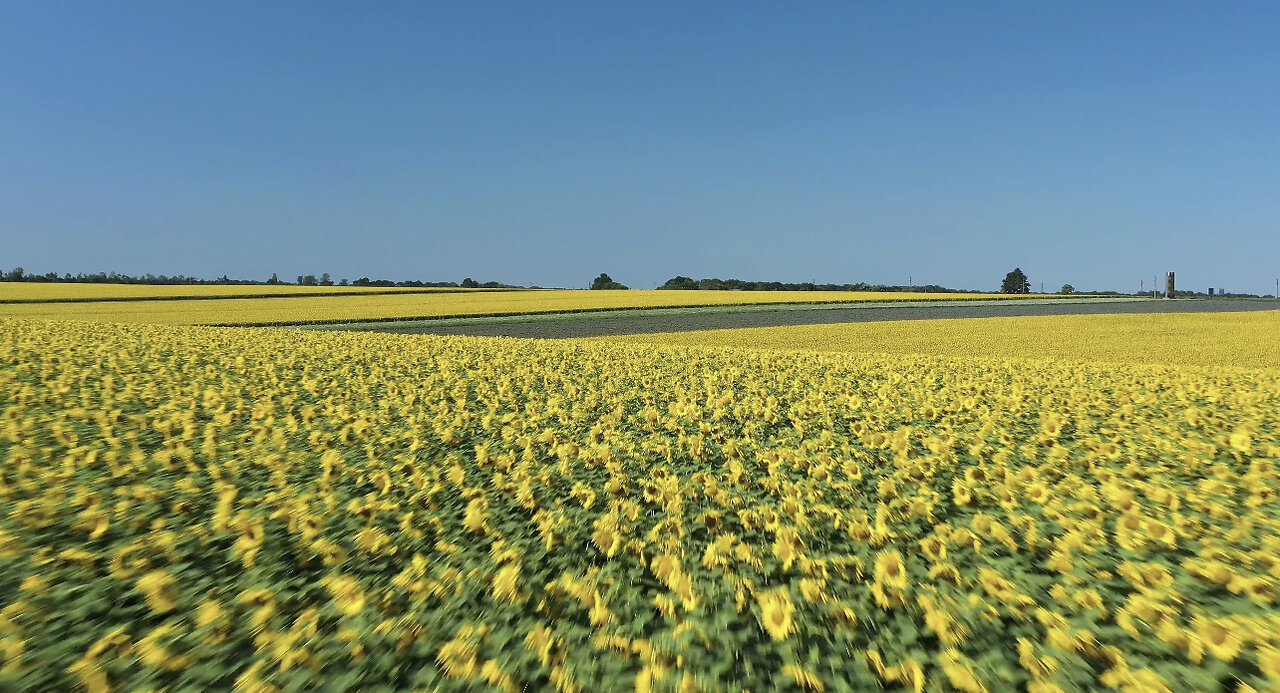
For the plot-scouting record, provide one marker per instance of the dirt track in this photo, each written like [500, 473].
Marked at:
[561, 326]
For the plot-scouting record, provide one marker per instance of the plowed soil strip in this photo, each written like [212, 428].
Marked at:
[648, 321]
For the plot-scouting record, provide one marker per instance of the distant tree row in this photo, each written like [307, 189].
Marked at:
[18, 274]
[713, 284]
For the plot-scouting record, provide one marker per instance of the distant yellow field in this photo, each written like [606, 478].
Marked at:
[36, 291]
[1250, 340]
[261, 311]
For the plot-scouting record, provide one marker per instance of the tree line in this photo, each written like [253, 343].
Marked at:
[715, 284]
[18, 274]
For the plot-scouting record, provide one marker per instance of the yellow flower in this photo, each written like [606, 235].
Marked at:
[506, 582]
[606, 536]
[935, 548]
[153, 653]
[804, 680]
[475, 518]
[945, 571]
[959, 673]
[210, 615]
[1241, 440]
[493, 675]
[665, 605]
[1060, 561]
[346, 593]
[775, 613]
[1038, 493]
[158, 588]
[889, 569]
[784, 546]
[1268, 658]
[965, 539]
[663, 565]
[813, 591]
[1218, 637]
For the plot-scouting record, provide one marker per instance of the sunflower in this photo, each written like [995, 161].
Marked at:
[493, 675]
[890, 570]
[1241, 440]
[1001, 535]
[346, 593]
[475, 518]
[152, 652]
[665, 605]
[211, 616]
[1060, 561]
[945, 571]
[935, 548]
[310, 527]
[784, 546]
[981, 524]
[1218, 637]
[1156, 576]
[663, 565]
[159, 590]
[506, 582]
[606, 536]
[963, 538]
[1268, 659]
[776, 611]
[804, 680]
[813, 591]
[959, 672]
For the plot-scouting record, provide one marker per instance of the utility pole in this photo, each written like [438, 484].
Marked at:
[1041, 287]
[1142, 286]
[1153, 286]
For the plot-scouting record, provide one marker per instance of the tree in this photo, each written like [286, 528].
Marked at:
[469, 283]
[274, 279]
[680, 282]
[1015, 282]
[307, 280]
[604, 281]
[326, 280]
[1067, 289]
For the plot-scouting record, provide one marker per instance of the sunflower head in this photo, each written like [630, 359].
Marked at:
[776, 612]
[1218, 637]
[159, 590]
[890, 570]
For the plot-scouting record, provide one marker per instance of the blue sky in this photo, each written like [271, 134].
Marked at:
[543, 143]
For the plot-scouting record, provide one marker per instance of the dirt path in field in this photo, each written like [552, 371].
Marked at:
[601, 324]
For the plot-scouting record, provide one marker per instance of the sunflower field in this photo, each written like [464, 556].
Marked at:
[192, 509]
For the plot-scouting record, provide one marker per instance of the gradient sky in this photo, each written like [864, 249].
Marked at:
[1095, 143]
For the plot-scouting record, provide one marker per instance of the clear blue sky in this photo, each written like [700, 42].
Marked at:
[1095, 143]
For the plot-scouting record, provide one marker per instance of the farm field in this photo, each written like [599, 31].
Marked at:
[193, 508]
[431, 304]
[734, 319]
[1240, 339]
